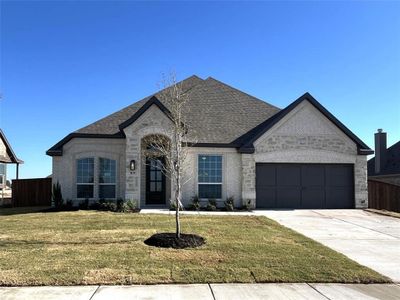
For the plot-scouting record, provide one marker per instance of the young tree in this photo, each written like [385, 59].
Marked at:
[172, 144]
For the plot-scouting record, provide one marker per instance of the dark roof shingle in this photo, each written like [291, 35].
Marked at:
[217, 112]
[392, 165]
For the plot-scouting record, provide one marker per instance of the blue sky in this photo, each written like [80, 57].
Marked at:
[67, 64]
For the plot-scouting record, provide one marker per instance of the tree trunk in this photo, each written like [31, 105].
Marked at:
[177, 204]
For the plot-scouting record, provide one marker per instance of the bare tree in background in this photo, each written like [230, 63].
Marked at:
[171, 146]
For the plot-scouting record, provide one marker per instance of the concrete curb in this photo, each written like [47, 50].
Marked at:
[212, 291]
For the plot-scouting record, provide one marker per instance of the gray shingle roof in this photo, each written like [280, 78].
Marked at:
[392, 165]
[217, 112]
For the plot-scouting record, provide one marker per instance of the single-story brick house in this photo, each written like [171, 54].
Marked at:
[297, 157]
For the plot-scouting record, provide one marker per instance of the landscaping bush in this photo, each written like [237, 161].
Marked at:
[172, 205]
[195, 205]
[129, 206]
[247, 205]
[84, 204]
[212, 205]
[108, 206]
[104, 205]
[229, 203]
[120, 203]
[57, 195]
[68, 204]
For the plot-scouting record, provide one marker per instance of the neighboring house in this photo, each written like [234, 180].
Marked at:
[7, 156]
[297, 157]
[385, 166]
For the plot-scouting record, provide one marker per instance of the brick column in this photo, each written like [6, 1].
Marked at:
[248, 179]
[361, 182]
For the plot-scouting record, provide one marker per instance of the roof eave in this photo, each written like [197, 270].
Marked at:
[368, 151]
[363, 149]
[143, 109]
[246, 150]
[13, 157]
[57, 149]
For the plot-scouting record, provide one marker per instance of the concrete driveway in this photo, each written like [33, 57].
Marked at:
[370, 239]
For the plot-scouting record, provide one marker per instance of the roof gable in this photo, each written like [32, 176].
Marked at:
[152, 101]
[257, 132]
[10, 155]
[218, 113]
[220, 116]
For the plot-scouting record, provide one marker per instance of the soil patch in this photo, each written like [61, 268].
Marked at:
[169, 240]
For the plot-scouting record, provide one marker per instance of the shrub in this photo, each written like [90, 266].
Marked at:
[229, 203]
[172, 205]
[95, 206]
[68, 204]
[57, 195]
[120, 203]
[212, 205]
[111, 206]
[129, 206]
[195, 205]
[84, 204]
[247, 205]
[108, 206]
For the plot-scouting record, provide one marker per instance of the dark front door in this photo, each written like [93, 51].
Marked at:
[155, 182]
[306, 186]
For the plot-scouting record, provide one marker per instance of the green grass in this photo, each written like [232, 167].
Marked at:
[87, 247]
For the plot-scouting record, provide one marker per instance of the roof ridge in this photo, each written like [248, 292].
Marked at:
[393, 146]
[145, 99]
[247, 94]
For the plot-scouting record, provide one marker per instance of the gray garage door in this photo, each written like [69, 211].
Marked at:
[304, 186]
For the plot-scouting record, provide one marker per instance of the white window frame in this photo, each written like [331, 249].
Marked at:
[210, 183]
[98, 178]
[81, 183]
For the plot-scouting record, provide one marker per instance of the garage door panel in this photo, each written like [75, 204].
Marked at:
[309, 186]
[266, 175]
[267, 198]
[288, 175]
[341, 175]
[288, 197]
[312, 175]
[339, 197]
[313, 197]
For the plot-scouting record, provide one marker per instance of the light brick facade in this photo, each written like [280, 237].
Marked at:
[302, 136]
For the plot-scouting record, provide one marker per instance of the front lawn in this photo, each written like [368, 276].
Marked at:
[86, 247]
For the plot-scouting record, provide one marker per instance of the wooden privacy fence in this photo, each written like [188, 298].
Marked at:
[382, 195]
[31, 192]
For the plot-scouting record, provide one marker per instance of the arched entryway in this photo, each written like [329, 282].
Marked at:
[155, 182]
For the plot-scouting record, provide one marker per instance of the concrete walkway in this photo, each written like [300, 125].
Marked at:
[370, 239]
[165, 211]
[282, 291]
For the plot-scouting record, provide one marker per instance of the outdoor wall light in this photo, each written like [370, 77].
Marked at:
[132, 165]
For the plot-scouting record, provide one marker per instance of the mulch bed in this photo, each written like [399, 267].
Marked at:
[169, 240]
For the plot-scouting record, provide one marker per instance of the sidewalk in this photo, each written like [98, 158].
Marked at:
[284, 291]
